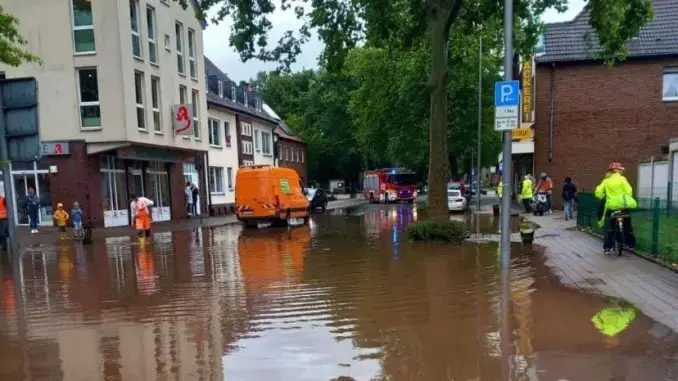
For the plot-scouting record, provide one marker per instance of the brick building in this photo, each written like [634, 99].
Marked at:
[589, 114]
[291, 151]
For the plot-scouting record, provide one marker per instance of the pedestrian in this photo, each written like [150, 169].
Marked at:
[545, 185]
[569, 198]
[76, 217]
[4, 223]
[61, 219]
[188, 195]
[526, 193]
[33, 208]
[195, 192]
[133, 207]
[143, 220]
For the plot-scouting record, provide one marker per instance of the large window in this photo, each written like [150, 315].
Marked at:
[139, 95]
[196, 114]
[247, 148]
[216, 179]
[83, 27]
[670, 85]
[152, 35]
[155, 104]
[113, 190]
[160, 187]
[215, 136]
[179, 35]
[88, 91]
[136, 37]
[245, 129]
[227, 134]
[266, 143]
[192, 69]
[229, 178]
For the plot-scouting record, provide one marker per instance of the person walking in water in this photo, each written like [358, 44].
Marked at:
[61, 219]
[76, 217]
[569, 197]
[526, 193]
[143, 220]
[33, 208]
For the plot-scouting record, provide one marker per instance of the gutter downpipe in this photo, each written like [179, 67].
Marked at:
[551, 111]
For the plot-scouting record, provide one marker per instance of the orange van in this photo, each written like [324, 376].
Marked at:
[269, 194]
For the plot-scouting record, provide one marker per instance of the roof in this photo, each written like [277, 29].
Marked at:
[286, 133]
[576, 40]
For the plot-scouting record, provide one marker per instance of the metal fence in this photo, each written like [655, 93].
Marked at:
[655, 225]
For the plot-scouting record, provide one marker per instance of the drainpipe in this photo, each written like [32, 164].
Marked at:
[553, 98]
[206, 185]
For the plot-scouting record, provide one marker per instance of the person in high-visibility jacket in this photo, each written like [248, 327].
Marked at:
[500, 188]
[618, 195]
[526, 193]
[143, 220]
[4, 224]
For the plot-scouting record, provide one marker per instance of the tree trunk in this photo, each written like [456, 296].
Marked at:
[438, 165]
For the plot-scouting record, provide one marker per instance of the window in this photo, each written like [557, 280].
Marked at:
[247, 162]
[83, 27]
[179, 35]
[88, 90]
[257, 140]
[229, 178]
[134, 18]
[168, 44]
[196, 114]
[227, 134]
[216, 179]
[215, 136]
[266, 143]
[296, 155]
[191, 54]
[155, 104]
[233, 94]
[245, 98]
[183, 95]
[152, 39]
[221, 89]
[139, 95]
[302, 155]
[670, 85]
[247, 148]
[257, 102]
[245, 129]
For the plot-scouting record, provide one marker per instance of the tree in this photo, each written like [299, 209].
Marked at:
[12, 44]
[341, 24]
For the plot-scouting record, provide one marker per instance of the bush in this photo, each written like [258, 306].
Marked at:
[437, 230]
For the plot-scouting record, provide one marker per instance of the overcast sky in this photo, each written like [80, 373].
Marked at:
[224, 56]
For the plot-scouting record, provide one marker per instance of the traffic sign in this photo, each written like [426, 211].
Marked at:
[506, 105]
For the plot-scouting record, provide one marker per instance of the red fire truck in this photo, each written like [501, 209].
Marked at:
[389, 185]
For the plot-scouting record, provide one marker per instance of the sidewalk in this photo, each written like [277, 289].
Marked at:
[50, 234]
[577, 259]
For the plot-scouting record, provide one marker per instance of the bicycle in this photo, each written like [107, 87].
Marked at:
[617, 226]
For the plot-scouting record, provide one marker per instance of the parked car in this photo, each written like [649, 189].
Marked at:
[456, 202]
[460, 186]
[317, 198]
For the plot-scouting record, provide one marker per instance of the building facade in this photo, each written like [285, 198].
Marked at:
[291, 151]
[589, 114]
[112, 73]
[240, 133]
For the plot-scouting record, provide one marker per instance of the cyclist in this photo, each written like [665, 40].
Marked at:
[618, 195]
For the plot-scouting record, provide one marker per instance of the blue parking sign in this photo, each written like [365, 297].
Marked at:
[507, 93]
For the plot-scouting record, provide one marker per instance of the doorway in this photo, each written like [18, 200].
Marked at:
[26, 175]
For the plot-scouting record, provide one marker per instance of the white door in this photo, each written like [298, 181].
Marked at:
[191, 175]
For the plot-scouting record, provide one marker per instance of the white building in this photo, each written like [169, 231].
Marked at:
[111, 73]
[240, 133]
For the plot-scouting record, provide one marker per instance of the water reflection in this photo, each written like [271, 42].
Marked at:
[344, 297]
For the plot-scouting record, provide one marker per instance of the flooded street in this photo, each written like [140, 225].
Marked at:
[346, 296]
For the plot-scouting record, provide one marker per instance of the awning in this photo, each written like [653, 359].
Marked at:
[519, 148]
[94, 148]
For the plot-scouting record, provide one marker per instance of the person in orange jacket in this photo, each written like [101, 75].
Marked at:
[143, 219]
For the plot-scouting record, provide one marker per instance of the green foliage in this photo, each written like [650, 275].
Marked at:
[437, 230]
[12, 44]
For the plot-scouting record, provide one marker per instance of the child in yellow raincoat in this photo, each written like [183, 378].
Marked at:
[61, 219]
[143, 220]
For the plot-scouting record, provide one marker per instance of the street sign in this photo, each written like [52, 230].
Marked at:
[182, 120]
[54, 148]
[20, 106]
[506, 105]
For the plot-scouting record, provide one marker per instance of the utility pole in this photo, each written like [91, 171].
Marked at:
[480, 114]
[507, 166]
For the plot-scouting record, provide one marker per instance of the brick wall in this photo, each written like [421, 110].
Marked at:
[601, 115]
[77, 179]
[177, 188]
[285, 148]
[240, 138]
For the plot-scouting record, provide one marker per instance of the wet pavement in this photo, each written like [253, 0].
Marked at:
[346, 296]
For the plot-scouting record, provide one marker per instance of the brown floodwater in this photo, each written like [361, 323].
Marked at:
[345, 298]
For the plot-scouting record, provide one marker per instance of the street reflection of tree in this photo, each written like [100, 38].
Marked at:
[420, 313]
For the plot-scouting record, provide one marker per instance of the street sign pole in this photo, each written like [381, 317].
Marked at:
[12, 239]
[507, 175]
[480, 115]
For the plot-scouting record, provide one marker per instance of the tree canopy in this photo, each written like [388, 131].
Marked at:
[12, 44]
